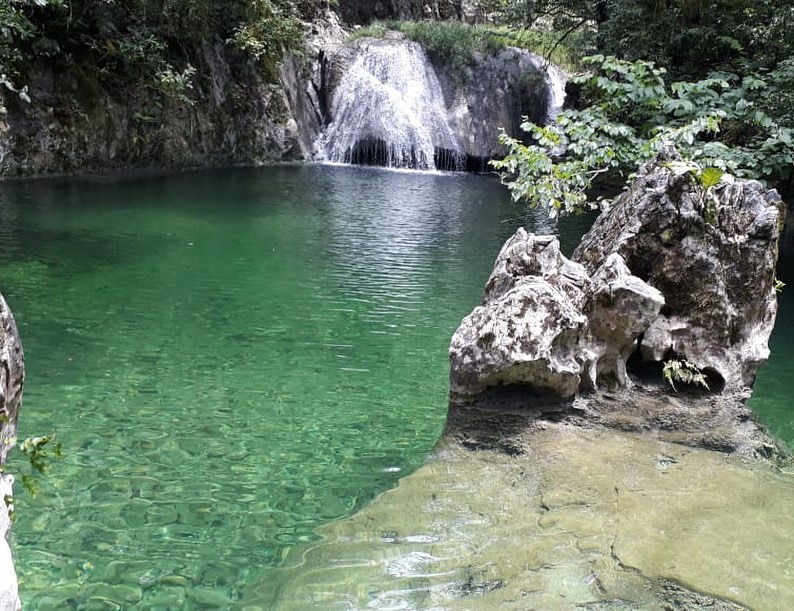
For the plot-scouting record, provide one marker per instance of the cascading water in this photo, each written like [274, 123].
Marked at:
[555, 78]
[555, 82]
[388, 110]
[389, 106]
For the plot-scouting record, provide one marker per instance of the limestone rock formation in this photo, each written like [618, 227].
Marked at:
[497, 93]
[712, 255]
[12, 375]
[385, 98]
[671, 271]
[620, 308]
[530, 323]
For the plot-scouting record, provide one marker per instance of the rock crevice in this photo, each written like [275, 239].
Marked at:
[669, 272]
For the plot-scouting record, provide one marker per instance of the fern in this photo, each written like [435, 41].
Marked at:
[681, 370]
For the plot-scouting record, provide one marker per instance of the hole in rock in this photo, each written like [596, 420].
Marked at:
[477, 164]
[715, 381]
[448, 160]
[652, 372]
[648, 372]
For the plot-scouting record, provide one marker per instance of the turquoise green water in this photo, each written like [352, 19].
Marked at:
[229, 358]
[773, 396]
[233, 358]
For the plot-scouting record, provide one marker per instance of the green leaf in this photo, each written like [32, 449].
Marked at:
[710, 177]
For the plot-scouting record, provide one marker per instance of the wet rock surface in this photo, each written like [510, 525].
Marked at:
[580, 519]
[496, 420]
[12, 375]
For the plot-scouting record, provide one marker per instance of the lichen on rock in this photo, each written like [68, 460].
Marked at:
[12, 375]
[656, 278]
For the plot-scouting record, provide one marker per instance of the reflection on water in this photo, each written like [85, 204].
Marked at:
[230, 358]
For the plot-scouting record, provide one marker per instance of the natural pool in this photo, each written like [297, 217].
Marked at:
[233, 358]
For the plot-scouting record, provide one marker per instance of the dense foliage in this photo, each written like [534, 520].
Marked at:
[690, 38]
[115, 42]
[721, 88]
[694, 37]
[630, 113]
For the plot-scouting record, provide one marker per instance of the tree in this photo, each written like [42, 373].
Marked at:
[691, 38]
[631, 112]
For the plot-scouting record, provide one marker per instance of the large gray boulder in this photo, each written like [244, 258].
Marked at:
[12, 375]
[671, 271]
[712, 255]
[529, 325]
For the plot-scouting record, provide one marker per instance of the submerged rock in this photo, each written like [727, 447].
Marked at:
[581, 519]
[670, 272]
[12, 375]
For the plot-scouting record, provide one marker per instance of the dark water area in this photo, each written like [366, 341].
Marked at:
[233, 358]
[773, 395]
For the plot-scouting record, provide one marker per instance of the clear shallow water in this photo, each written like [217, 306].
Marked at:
[582, 519]
[230, 359]
[233, 358]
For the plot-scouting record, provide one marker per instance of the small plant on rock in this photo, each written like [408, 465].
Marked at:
[685, 372]
[40, 451]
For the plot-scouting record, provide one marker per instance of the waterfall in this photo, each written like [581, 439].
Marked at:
[556, 80]
[384, 105]
[388, 110]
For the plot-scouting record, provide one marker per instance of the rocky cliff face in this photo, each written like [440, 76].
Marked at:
[375, 113]
[12, 375]
[495, 94]
[73, 123]
[671, 273]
